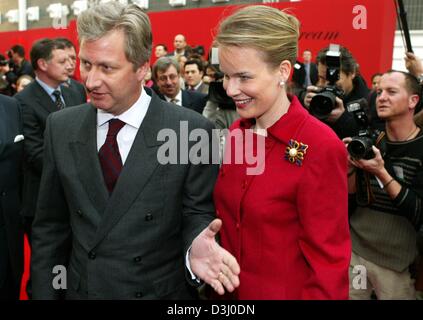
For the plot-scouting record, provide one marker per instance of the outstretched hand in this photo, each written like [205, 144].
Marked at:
[213, 264]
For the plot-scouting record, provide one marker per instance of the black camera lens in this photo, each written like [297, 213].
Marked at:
[322, 104]
[361, 148]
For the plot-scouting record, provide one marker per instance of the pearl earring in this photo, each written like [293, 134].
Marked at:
[281, 83]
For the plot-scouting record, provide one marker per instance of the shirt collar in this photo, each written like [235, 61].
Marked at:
[133, 116]
[178, 97]
[46, 87]
[198, 85]
[288, 126]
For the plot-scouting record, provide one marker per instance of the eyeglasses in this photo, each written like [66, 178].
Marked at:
[171, 77]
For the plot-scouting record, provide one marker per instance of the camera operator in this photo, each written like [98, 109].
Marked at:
[388, 192]
[341, 75]
[220, 108]
[21, 65]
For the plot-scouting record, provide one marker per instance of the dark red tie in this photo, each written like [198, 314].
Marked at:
[110, 160]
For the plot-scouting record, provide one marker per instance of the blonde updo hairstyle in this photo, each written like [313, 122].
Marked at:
[269, 30]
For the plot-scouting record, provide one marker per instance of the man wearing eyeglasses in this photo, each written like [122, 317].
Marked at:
[166, 74]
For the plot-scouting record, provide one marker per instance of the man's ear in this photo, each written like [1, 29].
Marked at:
[142, 71]
[413, 101]
[42, 64]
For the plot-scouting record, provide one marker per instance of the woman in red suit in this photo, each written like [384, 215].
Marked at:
[286, 223]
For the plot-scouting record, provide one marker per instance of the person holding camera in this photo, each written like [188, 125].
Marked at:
[388, 191]
[339, 84]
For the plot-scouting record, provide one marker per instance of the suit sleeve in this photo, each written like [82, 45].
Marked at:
[323, 213]
[34, 137]
[51, 230]
[198, 207]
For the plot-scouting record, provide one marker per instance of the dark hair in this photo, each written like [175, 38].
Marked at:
[162, 64]
[67, 43]
[3, 61]
[376, 75]
[43, 49]
[162, 45]
[412, 86]
[348, 63]
[19, 50]
[197, 62]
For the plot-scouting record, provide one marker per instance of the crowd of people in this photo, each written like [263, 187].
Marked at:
[334, 213]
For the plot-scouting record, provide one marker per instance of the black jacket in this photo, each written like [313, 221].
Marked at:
[11, 232]
[36, 107]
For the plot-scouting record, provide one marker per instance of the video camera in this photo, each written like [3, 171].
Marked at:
[198, 50]
[322, 104]
[360, 146]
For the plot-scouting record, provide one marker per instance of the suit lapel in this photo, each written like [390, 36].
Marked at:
[67, 96]
[186, 101]
[84, 151]
[70, 96]
[138, 169]
[43, 98]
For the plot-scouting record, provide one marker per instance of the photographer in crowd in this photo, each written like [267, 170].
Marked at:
[388, 188]
[340, 83]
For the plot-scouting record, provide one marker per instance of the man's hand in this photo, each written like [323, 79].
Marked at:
[311, 92]
[351, 165]
[213, 264]
[375, 166]
[413, 64]
[337, 111]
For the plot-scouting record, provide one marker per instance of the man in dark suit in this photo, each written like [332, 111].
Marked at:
[71, 82]
[38, 100]
[122, 220]
[21, 66]
[166, 74]
[181, 47]
[305, 73]
[194, 72]
[11, 232]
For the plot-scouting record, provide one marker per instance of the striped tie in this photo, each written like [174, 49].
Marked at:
[58, 100]
[110, 160]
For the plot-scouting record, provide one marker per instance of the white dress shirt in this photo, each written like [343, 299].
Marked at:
[133, 118]
[178, 98]
[50, 90]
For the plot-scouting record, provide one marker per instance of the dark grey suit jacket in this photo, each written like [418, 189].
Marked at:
[194, 100]
[79, 88]
[36, 107]
[133, 244]
[11, 233]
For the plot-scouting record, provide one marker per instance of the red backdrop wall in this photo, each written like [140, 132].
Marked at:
[322, 22]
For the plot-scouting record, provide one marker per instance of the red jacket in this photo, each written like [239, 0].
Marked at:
[288, 226]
